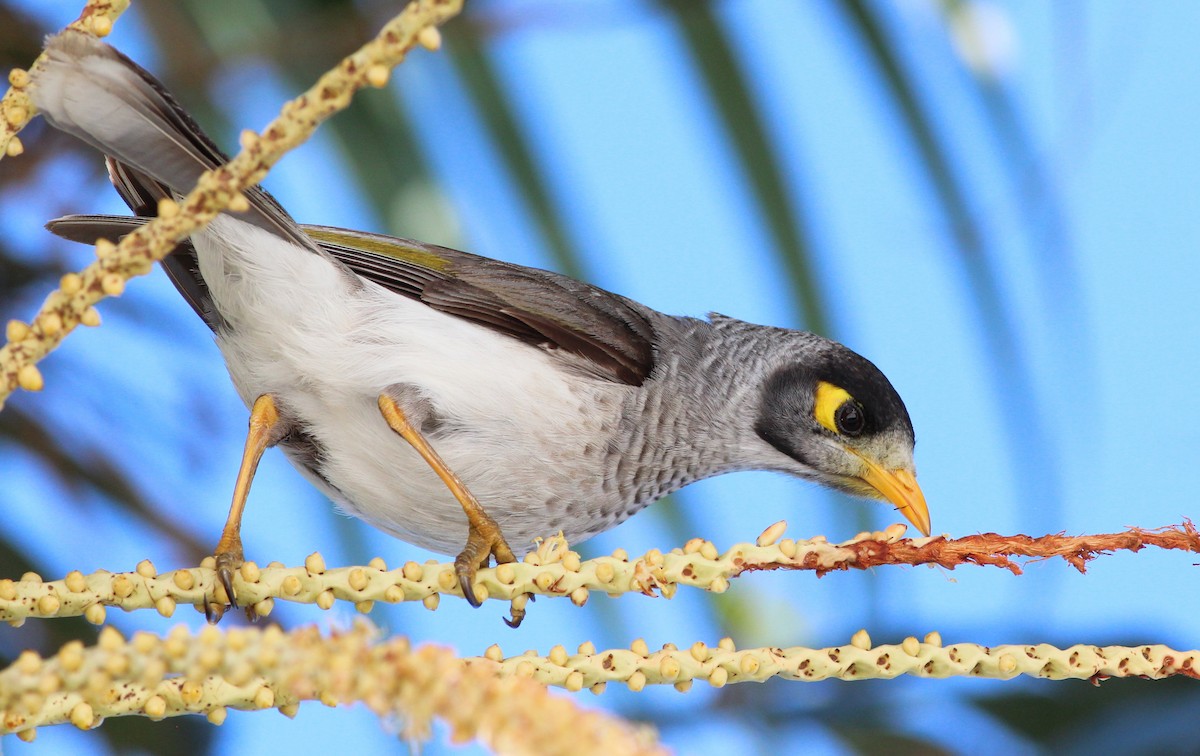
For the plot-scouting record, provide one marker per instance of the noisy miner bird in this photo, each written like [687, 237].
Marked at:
[456, 402]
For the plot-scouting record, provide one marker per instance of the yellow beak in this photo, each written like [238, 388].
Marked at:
[900, 488]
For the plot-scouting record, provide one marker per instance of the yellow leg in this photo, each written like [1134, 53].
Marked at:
[484, 539]
[264, 432]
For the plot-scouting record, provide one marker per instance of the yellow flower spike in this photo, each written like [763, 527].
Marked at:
[861, 640]
[52, 324]
[183, 580]
[431, 601]
[248, 139]
[30, 378]
[70, 656]
[315, 563]
[31, 701]
[210, 658]
[110, 639]
[101, 25]
[772, 534]
[636, 682]
[121, 586]
[49, 684]
[75, 582]
[357, 579]
[105, 248]
[718, 677]
[239, 203]
[414, 572]
[377, 76]
[70, 284]
[48, 605]
[241, 674]
[264, 698]
[217, 716]
[16, 331]
[28, 662]
[116, 664]
[525, 669]
[325, 599]
[604, 572]
[506, 574]
[82, 716]
[17, 115]
[895, 531]
[669, 668]
[112, 284]
[430, 38]
[175, 647]
[250, 572]
[191, 692]
[143, 642]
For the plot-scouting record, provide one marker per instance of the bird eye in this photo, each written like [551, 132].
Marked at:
[850, 419]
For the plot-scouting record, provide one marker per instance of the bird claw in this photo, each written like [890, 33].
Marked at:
[229, 561]
[483, 543]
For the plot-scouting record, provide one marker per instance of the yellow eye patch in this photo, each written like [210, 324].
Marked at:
[828, 399]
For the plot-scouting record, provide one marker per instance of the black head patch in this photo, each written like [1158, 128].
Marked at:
[786, 414]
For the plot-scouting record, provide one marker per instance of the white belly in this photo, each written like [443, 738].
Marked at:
[518, 429]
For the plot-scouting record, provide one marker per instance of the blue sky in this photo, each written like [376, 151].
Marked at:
[640, 169]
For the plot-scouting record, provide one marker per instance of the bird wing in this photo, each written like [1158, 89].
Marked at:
[604, 335]
[612, 334]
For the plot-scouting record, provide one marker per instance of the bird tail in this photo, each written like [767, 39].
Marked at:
[88, 89]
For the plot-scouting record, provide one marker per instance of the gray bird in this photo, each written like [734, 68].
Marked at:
[528, 403]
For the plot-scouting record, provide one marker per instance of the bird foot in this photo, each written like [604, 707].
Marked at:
[229, 560]
[484, 541]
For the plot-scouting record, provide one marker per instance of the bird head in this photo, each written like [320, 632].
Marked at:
[841, 423]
